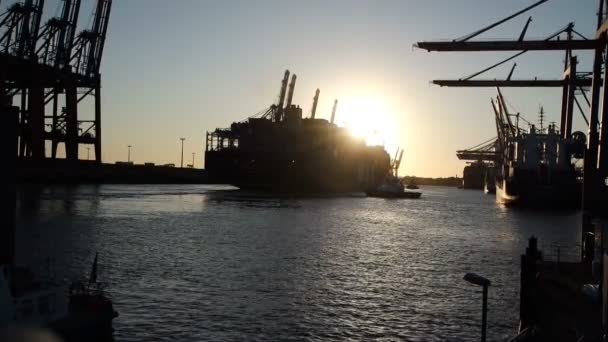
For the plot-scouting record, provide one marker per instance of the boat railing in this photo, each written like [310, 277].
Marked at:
[524, 335]
[555, 252]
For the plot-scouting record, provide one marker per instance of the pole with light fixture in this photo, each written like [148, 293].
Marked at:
[485, 283]
[182, 160]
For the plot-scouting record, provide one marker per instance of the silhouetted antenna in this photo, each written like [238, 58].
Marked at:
[541, 118]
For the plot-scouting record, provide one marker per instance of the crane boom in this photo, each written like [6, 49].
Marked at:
[279, 111]
[333, 112]
[90, 43]
[315, 100]
[398, 162]
[21, 25]
[292, 87]
[505, 111]
[57, 37]
[71, 9]
[100, 28]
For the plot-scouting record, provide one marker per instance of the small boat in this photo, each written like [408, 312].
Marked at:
[384, 194]
[392, 188]
[412, 185]
[84, 314]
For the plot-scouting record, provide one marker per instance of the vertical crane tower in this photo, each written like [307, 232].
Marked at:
[47, 71]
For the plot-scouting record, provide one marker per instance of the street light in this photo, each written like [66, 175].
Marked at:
[182, 162]
[129, 154]
[193, 153]
[481, 281]
[88, 152]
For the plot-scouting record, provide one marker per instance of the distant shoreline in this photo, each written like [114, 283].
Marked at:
[449, 181]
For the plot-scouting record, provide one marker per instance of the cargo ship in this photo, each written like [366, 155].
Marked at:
[279, 150]
[535, 167]
[473, 175]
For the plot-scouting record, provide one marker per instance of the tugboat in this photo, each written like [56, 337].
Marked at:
[412, 184]
[393, 187]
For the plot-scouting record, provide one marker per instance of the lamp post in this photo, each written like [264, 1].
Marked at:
[481, 281]
[129, 154]
[182, 162]
[88, 152]
[193, 153]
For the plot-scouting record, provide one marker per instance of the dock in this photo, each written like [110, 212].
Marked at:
[90, 172]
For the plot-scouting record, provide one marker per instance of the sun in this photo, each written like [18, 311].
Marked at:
[369, 117]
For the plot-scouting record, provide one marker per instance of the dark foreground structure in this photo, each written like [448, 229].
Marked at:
[281, 151]
[84, 313]
[82, 172]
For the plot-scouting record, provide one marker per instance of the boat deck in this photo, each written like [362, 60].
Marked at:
[554, 302]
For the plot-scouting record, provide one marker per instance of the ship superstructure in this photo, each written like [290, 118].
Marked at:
[280, 150]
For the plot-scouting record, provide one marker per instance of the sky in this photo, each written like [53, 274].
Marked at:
[179, 68]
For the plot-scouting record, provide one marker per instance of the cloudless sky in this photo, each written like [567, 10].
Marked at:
[178, 68]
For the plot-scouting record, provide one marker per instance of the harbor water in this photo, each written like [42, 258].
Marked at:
[192, 263]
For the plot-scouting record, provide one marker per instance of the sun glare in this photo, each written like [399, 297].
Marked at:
[371, 118]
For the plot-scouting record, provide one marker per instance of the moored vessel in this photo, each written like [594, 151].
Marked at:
[535, 167]
[29, 302]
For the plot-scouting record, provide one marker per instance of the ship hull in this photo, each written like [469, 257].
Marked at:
[280, 151]
[547, 196]
[384, 194]
[309, 156]
[304, 173]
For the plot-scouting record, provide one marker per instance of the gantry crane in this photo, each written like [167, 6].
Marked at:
[396, 162]
[595, 189]
[48, 66]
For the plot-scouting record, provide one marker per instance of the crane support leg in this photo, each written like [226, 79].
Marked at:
[98, 123]
[562, 124]
[22, 125]
[603, 138]
[570, 102]
[36, 121]
[54, 128]
[71, 123]
[590, 161]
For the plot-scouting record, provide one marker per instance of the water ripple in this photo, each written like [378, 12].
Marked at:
[194, 263]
